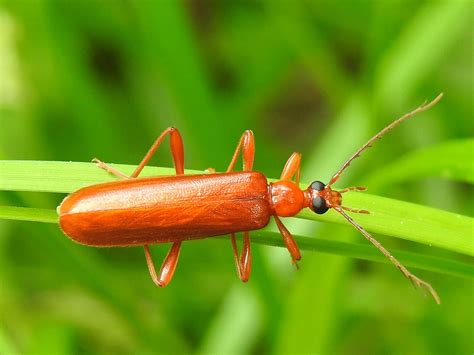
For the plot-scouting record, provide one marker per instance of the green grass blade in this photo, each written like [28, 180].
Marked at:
[63, 177]
[408, 221]
[418, 260]
[353, 250]
[28, 214]
[399, 219]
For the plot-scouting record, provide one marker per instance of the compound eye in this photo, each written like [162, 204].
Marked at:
[319, 205]
[318, 186]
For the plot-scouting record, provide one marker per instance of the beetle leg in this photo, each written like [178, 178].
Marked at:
[177, 150]
[167, 268]
[289, 241]
[109, 169]
[247, 146]
[244, 262]
[292, 168]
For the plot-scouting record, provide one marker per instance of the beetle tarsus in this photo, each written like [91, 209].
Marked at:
[109, 169]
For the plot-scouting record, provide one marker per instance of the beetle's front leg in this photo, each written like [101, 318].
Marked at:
[290, 242]
[292, 168]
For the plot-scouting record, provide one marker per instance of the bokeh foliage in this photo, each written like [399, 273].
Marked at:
[80, 79]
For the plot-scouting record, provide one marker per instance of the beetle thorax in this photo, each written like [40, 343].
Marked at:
[287, 199]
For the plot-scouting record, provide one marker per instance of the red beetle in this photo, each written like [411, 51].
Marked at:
[142, 211]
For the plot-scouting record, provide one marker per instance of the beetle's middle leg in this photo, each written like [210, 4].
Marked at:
[246, 146]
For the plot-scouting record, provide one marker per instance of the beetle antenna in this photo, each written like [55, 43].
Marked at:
[425, 106]
[355, 210]
[417, 282]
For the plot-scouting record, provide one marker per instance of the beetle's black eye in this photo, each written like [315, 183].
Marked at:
[318, 186]
[319, 205]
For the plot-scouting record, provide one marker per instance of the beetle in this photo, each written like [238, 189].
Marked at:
[137, 211]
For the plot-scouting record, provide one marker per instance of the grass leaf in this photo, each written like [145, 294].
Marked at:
[353, 250]
[391, 217]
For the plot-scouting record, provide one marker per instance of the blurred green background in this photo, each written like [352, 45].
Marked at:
[102, 78]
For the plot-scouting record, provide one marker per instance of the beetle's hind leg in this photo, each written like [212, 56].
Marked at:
[244, 262]
[177, 150]
[109, 169]
[167, 268]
